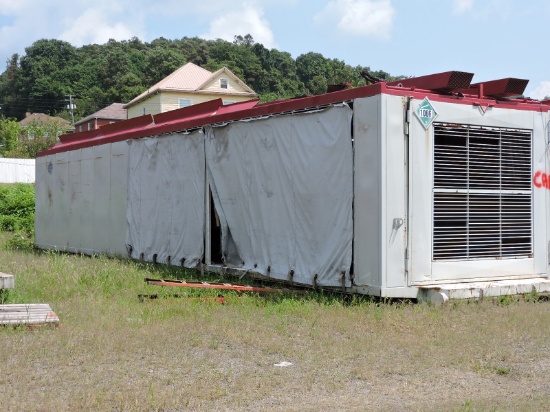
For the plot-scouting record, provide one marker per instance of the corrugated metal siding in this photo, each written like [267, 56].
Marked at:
[16, 170]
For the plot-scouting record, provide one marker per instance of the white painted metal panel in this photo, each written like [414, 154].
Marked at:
[541, 199]
[367, 210]
[394, 190]
[542, 163]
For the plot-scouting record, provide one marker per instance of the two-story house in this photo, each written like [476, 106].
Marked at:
[188, 85]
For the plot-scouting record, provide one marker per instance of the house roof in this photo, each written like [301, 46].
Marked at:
[189, 78]
[229, 74]
[42, 118]
[115, 111]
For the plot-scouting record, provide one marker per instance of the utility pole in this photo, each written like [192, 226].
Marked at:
[71, 106]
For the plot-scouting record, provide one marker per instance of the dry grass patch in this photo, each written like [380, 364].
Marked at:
[112, 352]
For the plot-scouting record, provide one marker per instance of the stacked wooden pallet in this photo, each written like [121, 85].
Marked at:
[31, 314]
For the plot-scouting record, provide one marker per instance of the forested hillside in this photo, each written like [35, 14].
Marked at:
[97, 75]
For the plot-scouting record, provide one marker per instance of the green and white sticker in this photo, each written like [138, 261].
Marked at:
[426, 113]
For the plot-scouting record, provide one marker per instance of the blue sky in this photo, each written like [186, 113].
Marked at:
[491, 38]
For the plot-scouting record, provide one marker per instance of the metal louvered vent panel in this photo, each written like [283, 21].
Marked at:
[482, 193]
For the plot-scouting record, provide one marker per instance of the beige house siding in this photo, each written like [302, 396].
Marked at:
[232, 85]
[152, 105]
[170, 101]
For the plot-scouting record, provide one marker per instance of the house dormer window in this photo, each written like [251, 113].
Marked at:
[223, 84]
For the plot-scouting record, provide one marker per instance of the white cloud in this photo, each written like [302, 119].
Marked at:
[93, 26]
[25, 21]
[366, 18]
[462, 6]
[241, 22]
[541, 91]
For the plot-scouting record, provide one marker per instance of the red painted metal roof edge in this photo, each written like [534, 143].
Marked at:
[204, 113]
[108, 129]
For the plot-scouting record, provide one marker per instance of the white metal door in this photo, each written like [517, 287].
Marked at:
[471, 208]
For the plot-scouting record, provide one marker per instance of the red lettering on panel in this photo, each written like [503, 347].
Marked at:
[536, 179]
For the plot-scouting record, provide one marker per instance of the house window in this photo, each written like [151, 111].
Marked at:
[144, 111]
[226, 102]
[89, 127]
[184, 103]
[223, 84]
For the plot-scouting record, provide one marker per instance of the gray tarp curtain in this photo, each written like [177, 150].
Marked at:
[283, 191]
[166, 198]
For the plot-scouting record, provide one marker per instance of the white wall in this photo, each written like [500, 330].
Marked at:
[16, 170]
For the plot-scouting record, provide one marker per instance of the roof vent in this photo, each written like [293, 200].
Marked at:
[505, 87]
[440, 82]
[337, 87]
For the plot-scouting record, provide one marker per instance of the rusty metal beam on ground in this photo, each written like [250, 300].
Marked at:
[219, 299]
[220, 285]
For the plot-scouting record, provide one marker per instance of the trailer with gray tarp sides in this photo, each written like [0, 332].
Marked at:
[431, 187]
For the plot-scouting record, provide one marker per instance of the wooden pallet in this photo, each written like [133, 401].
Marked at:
[32, 314]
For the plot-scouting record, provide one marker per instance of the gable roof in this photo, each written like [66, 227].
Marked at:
[42, 118]
[189, 78]
[230, 75]
[115, 111]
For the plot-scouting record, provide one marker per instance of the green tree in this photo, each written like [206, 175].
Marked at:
[312, 66]
[100, 74]
[246, 41]
[10, 96]
[42, 79]
[10, 131]
[36, 136]
[160, 62]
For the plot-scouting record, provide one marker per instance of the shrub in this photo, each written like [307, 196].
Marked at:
[17, 208]
[19, 241]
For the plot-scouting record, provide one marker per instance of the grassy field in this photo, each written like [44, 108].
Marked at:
[112, 352]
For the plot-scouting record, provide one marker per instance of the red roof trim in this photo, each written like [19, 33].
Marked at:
[205, 108]
[213, 112]
[109, 129]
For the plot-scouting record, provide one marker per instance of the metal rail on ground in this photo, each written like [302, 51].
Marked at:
[222, 286]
